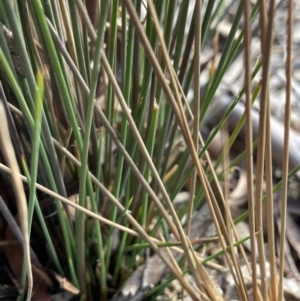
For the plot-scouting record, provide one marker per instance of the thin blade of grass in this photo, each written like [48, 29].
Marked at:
[150, 147]
[35, 145]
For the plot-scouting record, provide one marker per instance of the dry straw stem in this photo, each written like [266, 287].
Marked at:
[197, 55]
[266, 24]
[209, 284]
[269, 182]
[249, 142]
[285, 159]
[237, 274]
[207, 158]
[222, 200]
[10, 158]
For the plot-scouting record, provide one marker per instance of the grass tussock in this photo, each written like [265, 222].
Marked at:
[129, 155]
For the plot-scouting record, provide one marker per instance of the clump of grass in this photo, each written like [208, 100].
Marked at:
[110, 111]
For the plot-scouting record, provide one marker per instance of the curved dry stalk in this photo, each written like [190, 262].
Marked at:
[9, 156]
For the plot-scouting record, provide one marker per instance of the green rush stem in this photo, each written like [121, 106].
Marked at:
[120, 251]
[177, 56]
[99, 162]
[78, 59]
[120, 164]
[110, 103]
[185, 76]
[123, 45]
[139, 114]
[80, 223]
[196, 109]
[181, 34]
[207, 21]
[36, 139]
[58, 70]
[150, 147]
[165, 114]
[78, 41]
[136, 73]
